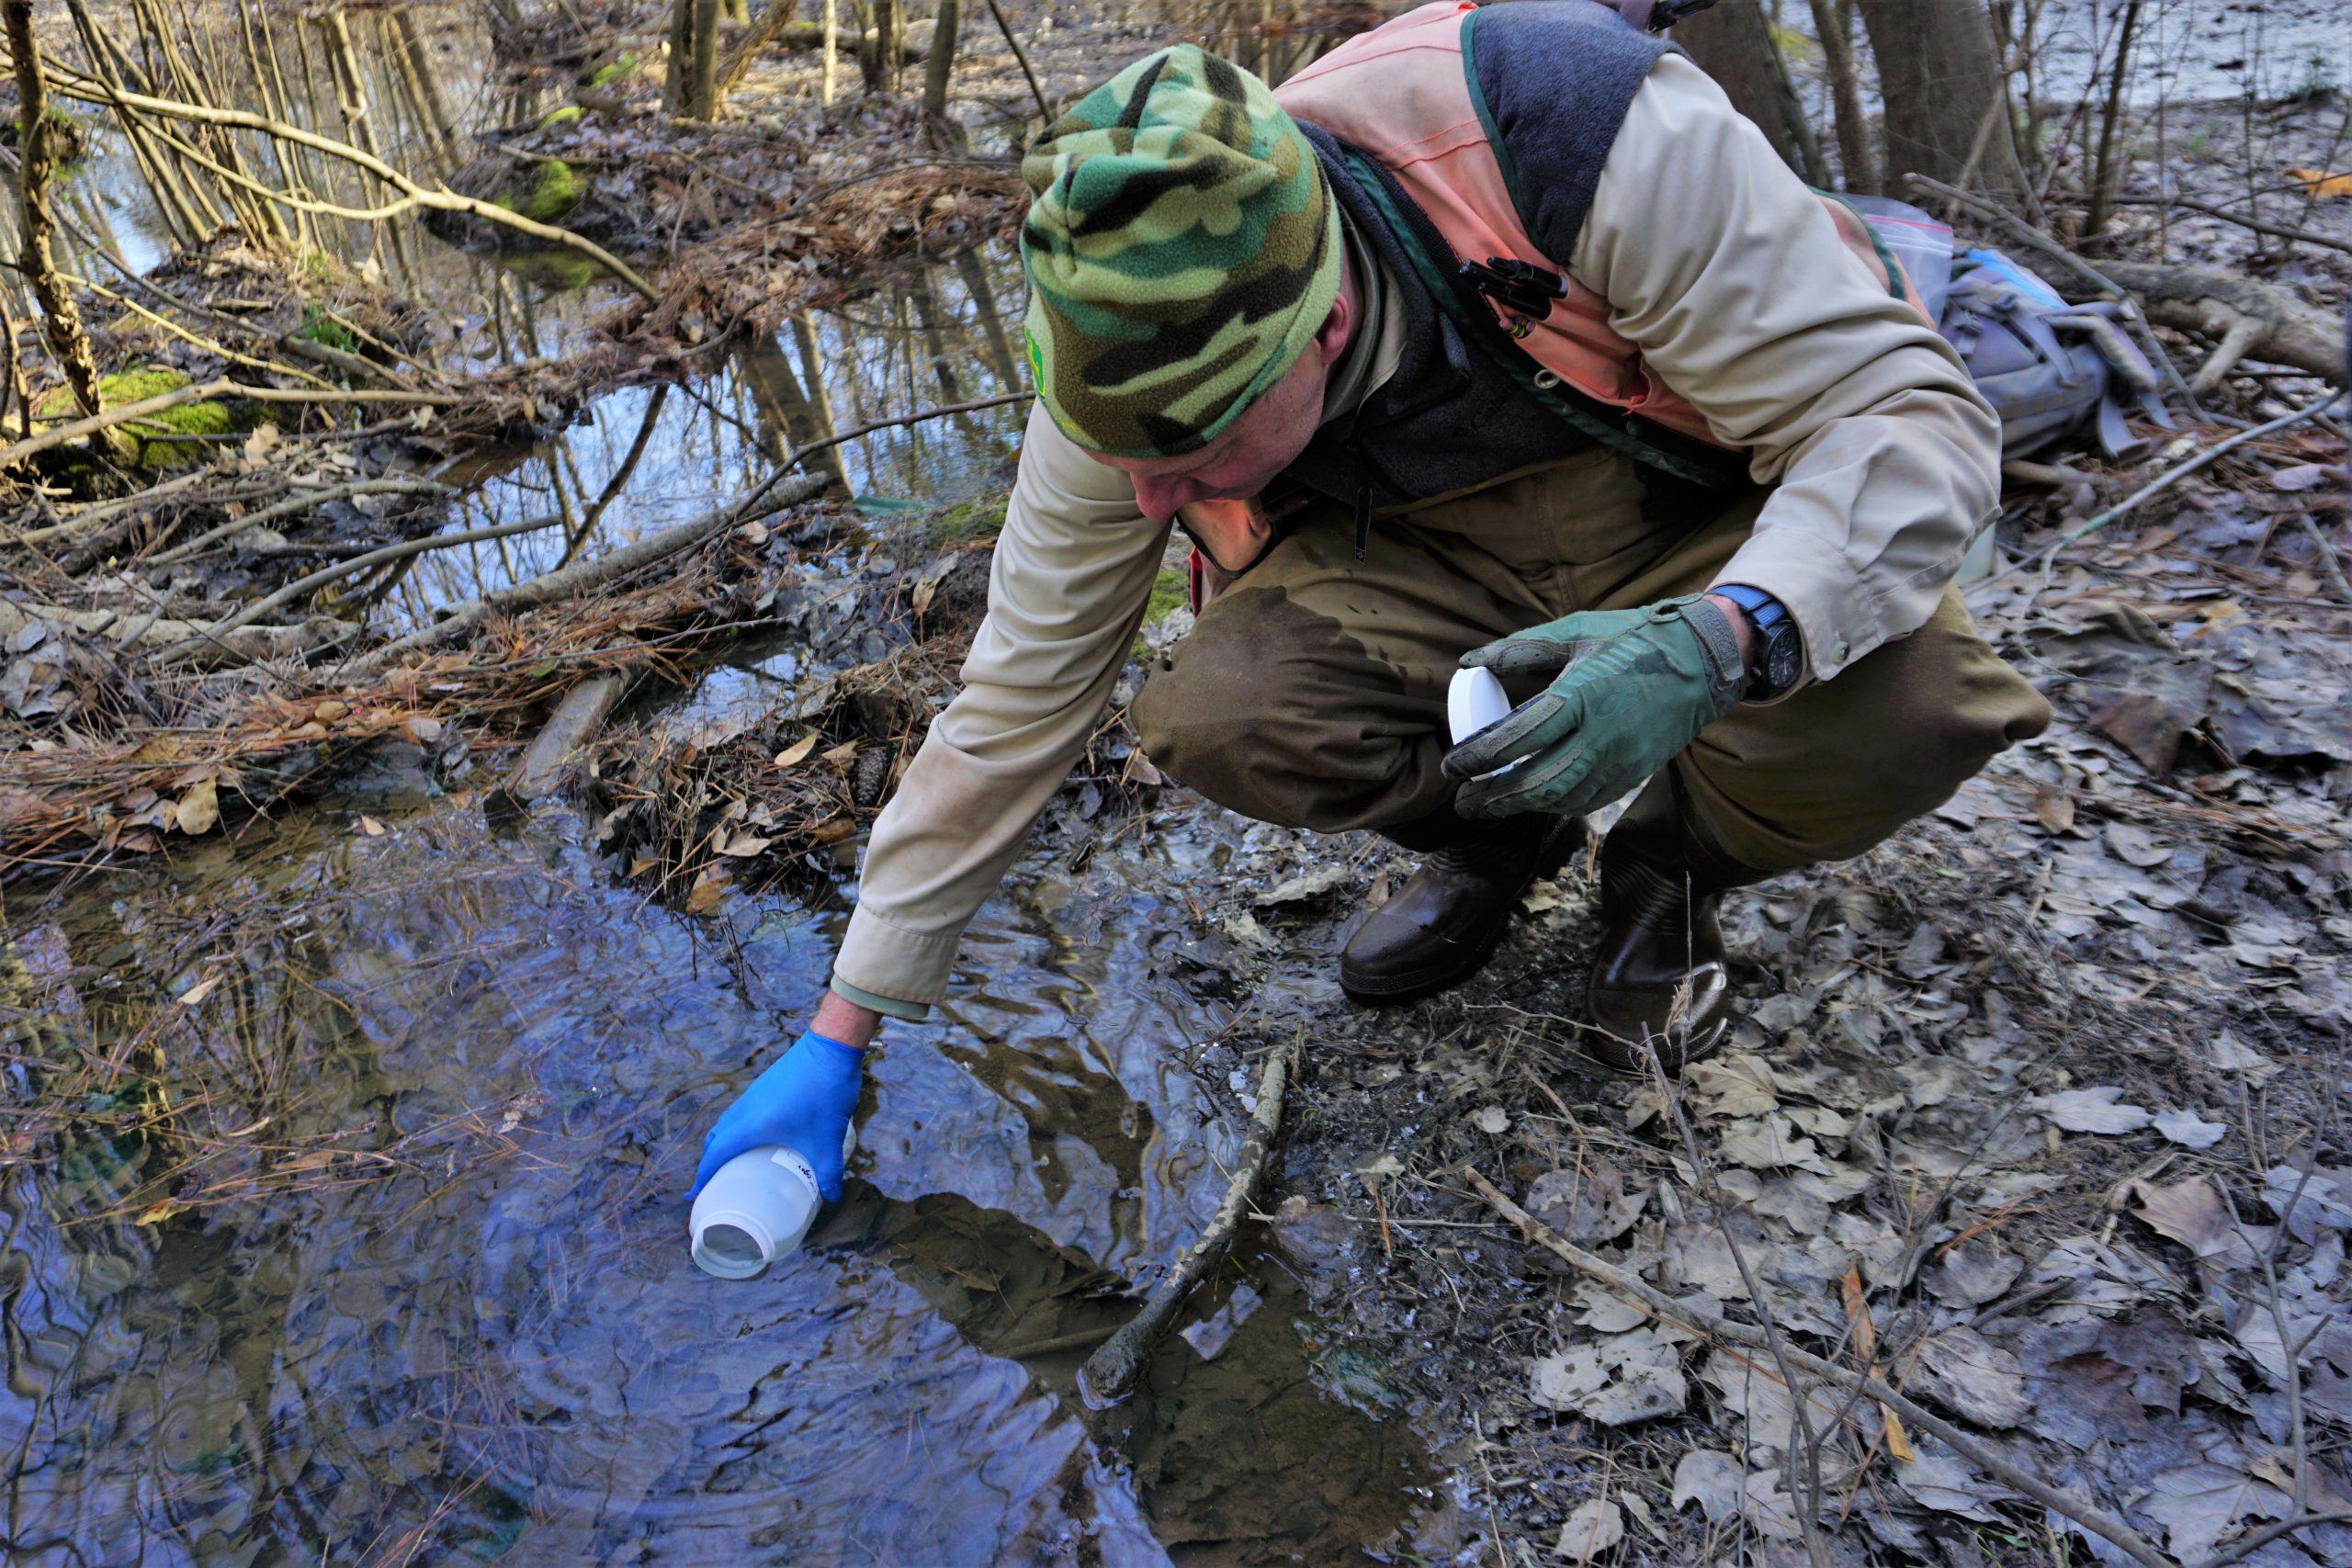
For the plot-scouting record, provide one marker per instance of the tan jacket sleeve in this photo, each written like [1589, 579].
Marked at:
[1723, 269]
[1073, 572]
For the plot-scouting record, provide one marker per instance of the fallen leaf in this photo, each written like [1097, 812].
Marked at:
[2185, 1128]
[1974, 1377]
[1492, 1120]
[367, 826]
[2322, 183]
[201, 989]
[2199, 1504]
[1973, 1272]
[1591, 1527]
[423, 731]
[2092, 1110]
[2303, 476]
[2054, 810]
[156, 1214]
[742, 846]
[1710, 1478]
[798, 751]
[709, 888]
[2191, 1213]
[199, 809]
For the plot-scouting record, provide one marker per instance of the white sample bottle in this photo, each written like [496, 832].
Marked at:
[754, 1210]
[1474, 700]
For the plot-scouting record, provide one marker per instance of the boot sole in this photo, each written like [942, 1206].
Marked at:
[1550, 855]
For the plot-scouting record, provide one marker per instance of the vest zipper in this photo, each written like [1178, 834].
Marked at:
[1363, 521]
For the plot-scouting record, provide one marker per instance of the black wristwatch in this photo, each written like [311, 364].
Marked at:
[1778, 657]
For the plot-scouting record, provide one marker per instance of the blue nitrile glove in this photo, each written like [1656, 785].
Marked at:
[804, 1101]
[1634, 687]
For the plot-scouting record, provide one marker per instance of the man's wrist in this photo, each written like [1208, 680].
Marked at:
[842, 1019]
[1741, 627]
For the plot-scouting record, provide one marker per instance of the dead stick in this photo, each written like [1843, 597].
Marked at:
[1109, 1375]
[2169, 477]
[163, 402]
[581, 575]
[325, 575]
[305, 502]
[1020, 58]
[2089, 1514]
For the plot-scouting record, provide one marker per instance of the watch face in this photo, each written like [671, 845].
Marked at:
[1782, 658]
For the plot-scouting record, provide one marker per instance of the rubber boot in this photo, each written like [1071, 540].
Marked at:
[1658, 978]
[1443, 925]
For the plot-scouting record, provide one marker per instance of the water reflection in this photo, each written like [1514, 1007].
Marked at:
[644, 458]
[442, 1304]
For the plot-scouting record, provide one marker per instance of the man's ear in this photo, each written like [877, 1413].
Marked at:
[1338, 324]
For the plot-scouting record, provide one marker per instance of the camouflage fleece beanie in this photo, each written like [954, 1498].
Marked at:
[1183, 248]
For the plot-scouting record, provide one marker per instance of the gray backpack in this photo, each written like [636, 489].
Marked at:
[2049, 369]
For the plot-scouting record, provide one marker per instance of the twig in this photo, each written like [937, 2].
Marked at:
[2328, 557]
[2278, 231]
[308, 499]
[1808, 1522]
[162, 402]
[93, 91]
[1021, 57]
[2169, 477]
[1110, 1374]
[566, 580]
[2026, 234]
[325, 575]
[2089, 1514]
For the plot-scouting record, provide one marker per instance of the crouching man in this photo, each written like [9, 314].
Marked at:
[1498, 338]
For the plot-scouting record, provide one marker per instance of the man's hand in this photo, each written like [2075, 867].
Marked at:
[1633, 687]
[804, 1101]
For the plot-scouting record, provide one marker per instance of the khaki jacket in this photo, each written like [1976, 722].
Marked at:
[1718, 265]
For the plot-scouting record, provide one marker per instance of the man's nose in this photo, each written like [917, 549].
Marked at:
[1159, 498]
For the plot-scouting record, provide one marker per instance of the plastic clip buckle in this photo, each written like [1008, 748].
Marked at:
[1518, 286]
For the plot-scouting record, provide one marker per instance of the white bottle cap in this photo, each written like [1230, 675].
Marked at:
[753, 1210]
[1474, 700]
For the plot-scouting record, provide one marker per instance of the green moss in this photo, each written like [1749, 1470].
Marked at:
[146, 443]
[608, 75]
[321, 328]
[976, 517]
[1170, 591]
[563, 116]
[551, 269]
[555, 191]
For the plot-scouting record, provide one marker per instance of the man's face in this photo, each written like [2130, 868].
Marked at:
[1263, 439]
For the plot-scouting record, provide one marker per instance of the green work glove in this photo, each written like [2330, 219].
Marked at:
[1633, 688]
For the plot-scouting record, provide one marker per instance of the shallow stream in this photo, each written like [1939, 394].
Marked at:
[341, 1171]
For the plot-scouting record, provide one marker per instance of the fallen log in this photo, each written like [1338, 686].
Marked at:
[2246, 317]
[250, 644]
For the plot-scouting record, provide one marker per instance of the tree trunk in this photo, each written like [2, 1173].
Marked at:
[1940, 79]
[772, 22]
[1833, 22]
[67, 340]
[1733, 43]
[935, 69]
[704, 102]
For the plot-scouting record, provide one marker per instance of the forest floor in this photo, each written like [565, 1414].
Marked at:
[2035, 1110]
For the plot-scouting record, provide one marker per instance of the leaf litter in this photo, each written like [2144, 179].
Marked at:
[2052, 1077]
